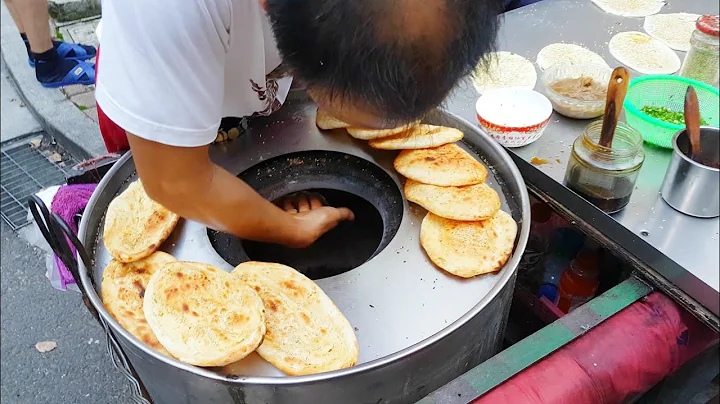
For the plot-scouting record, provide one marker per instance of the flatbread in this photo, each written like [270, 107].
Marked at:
[446, 166]
[306, 332]
[643, 53]
[504, 70]
[418, 137]
[370, 134]
[202, 315]
[469, 203]
[468, 249]
[674, 29]
[630, 8]
[135, 225]
[325, 121]
[122, 290]
[568, 54]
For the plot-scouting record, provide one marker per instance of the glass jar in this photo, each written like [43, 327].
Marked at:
[605, 176]
[702, 61]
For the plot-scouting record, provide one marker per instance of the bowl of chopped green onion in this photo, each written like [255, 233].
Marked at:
[654, 106]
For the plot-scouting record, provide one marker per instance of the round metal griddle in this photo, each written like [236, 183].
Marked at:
[417, 326]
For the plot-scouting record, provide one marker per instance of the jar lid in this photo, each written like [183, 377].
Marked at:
[709, 24]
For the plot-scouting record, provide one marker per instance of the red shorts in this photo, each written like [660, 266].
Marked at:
[114, 136]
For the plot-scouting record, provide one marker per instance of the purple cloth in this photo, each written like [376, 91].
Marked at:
[68, 202]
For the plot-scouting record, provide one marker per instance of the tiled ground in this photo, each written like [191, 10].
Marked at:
[82, 96]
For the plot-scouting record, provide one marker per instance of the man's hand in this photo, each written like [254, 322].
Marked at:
[313, 218]
[185, 181]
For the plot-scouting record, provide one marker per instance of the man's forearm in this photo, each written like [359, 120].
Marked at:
[185, 181]
[225, 203]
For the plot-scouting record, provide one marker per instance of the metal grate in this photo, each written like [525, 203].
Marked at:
[25, 171]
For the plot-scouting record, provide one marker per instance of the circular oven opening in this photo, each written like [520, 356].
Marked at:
[344, 181]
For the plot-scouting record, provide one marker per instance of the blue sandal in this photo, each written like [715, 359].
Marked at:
[71, 51]
[83, 73]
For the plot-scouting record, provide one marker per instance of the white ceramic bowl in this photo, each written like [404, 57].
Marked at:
[514, 116]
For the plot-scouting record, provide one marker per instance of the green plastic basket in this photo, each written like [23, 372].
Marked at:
[669, 92]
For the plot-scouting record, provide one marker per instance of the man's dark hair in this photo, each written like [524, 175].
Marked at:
[399, 58]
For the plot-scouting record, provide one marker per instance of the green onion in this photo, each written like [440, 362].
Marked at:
[664, 114]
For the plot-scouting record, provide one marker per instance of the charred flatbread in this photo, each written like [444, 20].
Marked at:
[135, 225]
[446, 166]
[468, 203]
[123, 289]
[202, 315]
[306, 332]
[468, 249]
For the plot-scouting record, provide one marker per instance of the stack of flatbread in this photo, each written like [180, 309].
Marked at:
[465, 233]
[204, 316]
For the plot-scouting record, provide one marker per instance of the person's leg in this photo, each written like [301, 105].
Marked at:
[15, 16]
[34, 18]
[53, 69]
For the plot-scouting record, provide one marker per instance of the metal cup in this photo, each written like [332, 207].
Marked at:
[691, 187]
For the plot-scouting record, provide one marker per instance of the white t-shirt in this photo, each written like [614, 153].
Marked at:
[171, 69]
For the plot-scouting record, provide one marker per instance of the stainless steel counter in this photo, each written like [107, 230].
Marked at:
[683, 249]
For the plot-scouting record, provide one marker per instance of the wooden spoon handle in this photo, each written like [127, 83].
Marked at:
[617, 89]
[692, 122]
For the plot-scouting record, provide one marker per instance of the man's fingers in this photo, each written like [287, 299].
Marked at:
[288, 206]
[343, 214]
[303, 204]
[315, 203]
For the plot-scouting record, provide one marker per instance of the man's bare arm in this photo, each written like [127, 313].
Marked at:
[188, 183]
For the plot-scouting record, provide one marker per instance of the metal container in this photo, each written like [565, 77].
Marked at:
[691, 187]
[418, 328]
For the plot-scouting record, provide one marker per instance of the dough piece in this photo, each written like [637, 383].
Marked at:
[370, 134]
[568, 54]
[468, 249]
[202, 315]
[643, 53]
[135, 225]
[418, 137]
[306, 332]
[469, 203]
[630, 8]
[122, 290]
[674, 29]
[445, 166]
[503, 70]
[325, 121]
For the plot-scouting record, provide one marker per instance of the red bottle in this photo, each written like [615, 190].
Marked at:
[579, 282]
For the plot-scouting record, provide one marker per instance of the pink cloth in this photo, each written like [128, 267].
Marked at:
[625, 355]
[68, 202]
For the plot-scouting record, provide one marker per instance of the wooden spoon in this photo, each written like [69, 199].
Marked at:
[692, 122]
[617, 89]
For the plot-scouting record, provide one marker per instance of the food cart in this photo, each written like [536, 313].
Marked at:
[425, 336]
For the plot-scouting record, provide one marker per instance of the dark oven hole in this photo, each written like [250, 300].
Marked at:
[341, 249]
[343, 180]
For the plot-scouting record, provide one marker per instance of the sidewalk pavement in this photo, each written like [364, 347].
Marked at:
[68, 114]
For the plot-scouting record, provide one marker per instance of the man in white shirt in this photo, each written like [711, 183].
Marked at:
[171, 69]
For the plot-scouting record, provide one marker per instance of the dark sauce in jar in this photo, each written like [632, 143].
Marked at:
[605, 176]
[608, 202]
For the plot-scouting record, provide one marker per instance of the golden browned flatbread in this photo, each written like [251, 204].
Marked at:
[446, 166]
[370, 134]
[468, 203]
[135, 225]
[306, 332]
[325, 121]
[468, 249]
[123, 289]
[202, 315]
[418, 137]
